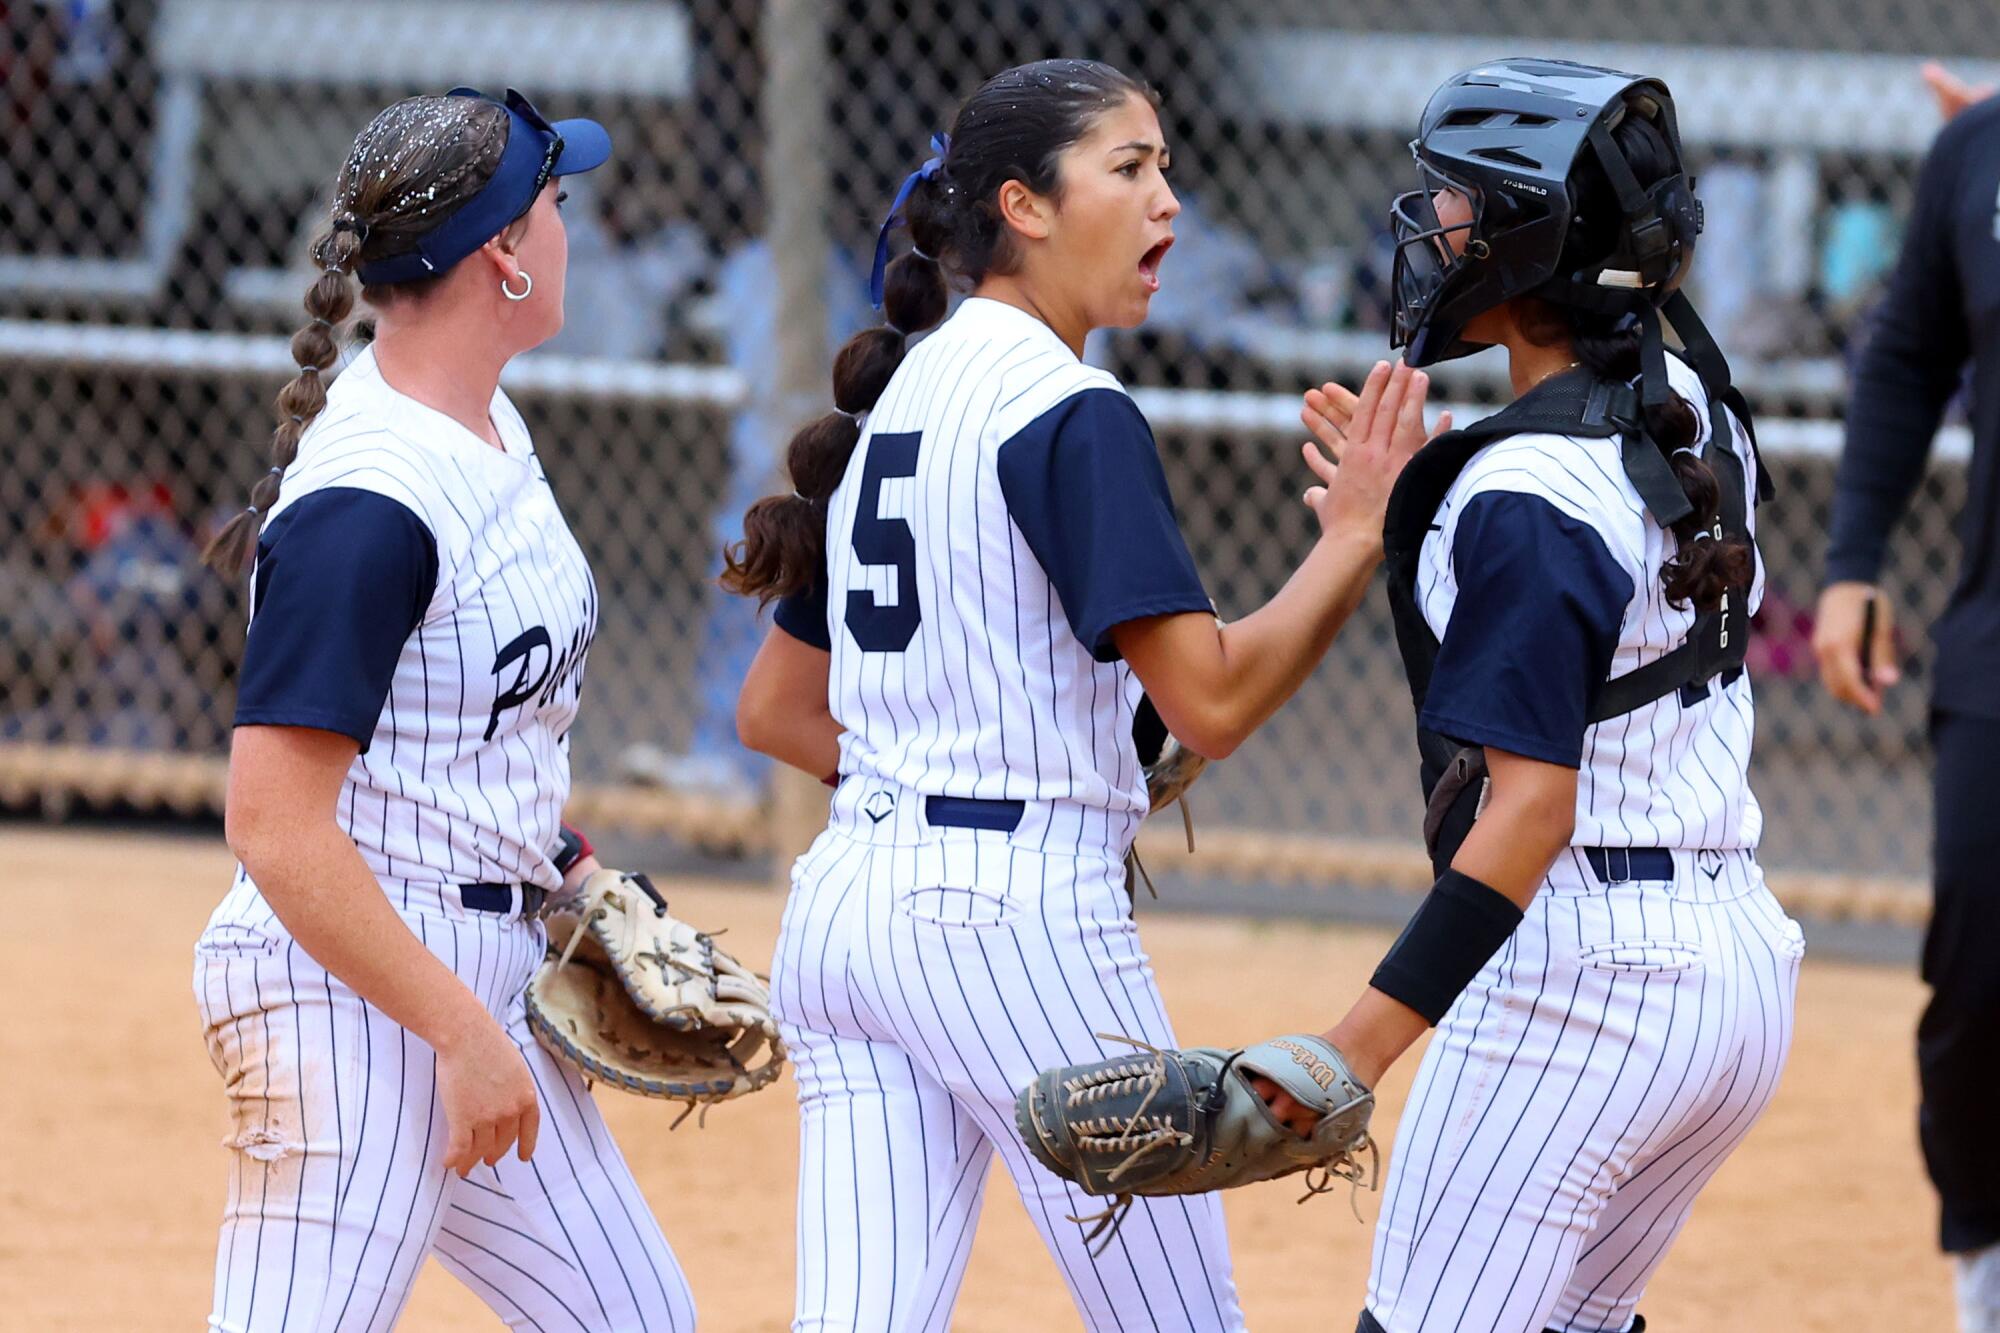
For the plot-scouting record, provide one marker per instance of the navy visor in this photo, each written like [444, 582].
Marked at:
[536, 151]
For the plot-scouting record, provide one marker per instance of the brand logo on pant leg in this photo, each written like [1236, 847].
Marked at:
[879, 806]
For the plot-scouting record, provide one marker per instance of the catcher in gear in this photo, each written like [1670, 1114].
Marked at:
[636, 998]
[1592, 829]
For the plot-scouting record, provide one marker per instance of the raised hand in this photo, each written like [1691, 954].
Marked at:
[1359, 449]
[1330, 407]
[1953, 94]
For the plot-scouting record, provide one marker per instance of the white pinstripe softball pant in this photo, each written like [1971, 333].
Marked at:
[1577, 1097]
[923, 976]
[336, 1192]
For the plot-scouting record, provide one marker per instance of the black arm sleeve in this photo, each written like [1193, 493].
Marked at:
[1911, 362]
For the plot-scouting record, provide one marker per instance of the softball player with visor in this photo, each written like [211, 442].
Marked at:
[420, 618]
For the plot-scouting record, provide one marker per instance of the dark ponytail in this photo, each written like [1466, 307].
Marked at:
[1706, 564]
[1015, 127]
[783, 551]
[328, 301]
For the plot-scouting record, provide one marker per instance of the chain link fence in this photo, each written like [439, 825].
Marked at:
[165, 161]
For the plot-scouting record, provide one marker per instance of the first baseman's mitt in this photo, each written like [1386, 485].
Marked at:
[1188, 1121]
[1170, 769]
[634, 997]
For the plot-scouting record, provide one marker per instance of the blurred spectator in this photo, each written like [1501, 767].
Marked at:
[1857, 248]
[1732, 249]
[75, 90]
[622, 285]
[120, 637]
[746, 297]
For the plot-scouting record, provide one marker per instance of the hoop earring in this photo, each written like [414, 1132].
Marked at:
[527, 285]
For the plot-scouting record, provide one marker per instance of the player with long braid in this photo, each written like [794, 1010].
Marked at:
[420, 618]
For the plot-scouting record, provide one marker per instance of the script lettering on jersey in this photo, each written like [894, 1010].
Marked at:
[568, 671]
[539, 672]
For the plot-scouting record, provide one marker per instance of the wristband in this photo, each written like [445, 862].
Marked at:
[571, 847]
[1456, 930]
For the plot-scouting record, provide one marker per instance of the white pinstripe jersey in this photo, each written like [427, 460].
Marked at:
[957, 668]
[465, 770]
[1675, 772]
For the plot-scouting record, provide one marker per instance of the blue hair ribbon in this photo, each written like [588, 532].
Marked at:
[941, 144]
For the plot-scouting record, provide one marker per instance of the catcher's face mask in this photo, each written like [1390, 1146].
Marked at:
[1437, 258]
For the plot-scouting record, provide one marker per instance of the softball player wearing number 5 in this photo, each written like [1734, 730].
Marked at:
[986, 567]
[420, 618]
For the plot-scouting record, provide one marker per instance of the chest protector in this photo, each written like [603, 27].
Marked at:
[1575, 403]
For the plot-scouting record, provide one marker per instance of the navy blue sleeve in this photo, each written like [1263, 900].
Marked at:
[1084, 484]
[803, 615]
[1532, 632]
[343, 576]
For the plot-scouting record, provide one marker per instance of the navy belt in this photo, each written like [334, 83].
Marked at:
[500, 898]
[1619, 865]
[969, 812]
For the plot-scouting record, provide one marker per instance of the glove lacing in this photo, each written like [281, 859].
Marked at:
[1144, 1135]
[1137, 1132]
[592, 907]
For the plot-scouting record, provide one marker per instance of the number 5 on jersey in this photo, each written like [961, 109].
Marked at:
[885, 627]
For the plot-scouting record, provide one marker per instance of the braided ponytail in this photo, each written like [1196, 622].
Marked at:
[1706, 564]
[783, 551]
[418, 160]
[315, 348]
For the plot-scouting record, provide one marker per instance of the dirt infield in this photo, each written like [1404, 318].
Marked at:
[112, 1116]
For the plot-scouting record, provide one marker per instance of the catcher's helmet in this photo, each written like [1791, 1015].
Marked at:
[1511, 136]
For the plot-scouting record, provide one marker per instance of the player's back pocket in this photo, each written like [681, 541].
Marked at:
[972, 906]
[1663, 955]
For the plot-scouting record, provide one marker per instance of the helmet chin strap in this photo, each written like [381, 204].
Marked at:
[1652, 476]
[1645, 463]
[1655, 220]
[1700, 346]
